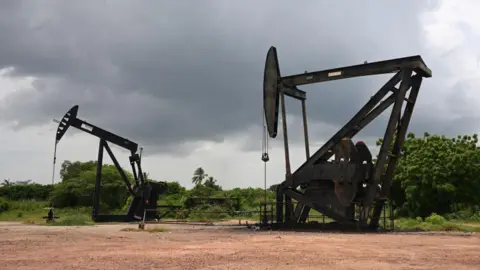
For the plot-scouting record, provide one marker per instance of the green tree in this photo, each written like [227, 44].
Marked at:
[436, 174]
[78, 186]
[71, 170]
[26, 191]
[201, 191]
[198, 176]
[212, 183]
[6, 182]
[174, 188]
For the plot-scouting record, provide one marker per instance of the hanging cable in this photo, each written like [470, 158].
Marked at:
[51, 213]
[265, 138]
[54, 162]
[265, 159]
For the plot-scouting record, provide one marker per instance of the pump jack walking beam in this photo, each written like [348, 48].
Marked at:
[140, 189]
[334, 187]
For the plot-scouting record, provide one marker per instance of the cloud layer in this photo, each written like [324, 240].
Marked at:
[169, 74]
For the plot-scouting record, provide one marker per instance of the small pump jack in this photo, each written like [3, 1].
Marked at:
[50, 216]
[145, 193]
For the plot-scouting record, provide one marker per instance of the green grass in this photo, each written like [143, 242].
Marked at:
[436, 223]
[32, 212]
[22, 210]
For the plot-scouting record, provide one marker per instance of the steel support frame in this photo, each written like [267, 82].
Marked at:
[103, 145]
[298, 94]
[402, 121]
[108, 136]
[386, 163]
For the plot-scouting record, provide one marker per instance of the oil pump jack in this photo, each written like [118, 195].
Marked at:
[350, 188]
[145, 194]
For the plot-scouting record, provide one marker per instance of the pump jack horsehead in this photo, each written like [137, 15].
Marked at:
[350, 189]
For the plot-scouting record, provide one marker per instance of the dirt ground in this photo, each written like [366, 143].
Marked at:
[211, 247]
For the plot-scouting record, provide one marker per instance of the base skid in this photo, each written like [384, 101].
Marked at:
[118, 218]
[113, 218]
[319, 227]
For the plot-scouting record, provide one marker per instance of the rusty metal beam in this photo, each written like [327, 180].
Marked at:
[311, 202]
[414, 63]
[387, 141]
[397, 147]
[294, 92]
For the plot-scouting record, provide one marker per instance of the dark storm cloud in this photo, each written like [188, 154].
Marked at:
[167, 73]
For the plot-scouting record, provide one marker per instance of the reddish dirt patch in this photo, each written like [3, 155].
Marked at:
[211, 247]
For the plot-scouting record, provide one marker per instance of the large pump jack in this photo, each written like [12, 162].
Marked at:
[145, 194]
[350, 183]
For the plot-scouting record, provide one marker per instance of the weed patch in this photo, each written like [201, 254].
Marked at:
[433, 223]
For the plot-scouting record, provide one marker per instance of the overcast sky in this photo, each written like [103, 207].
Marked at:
[184, 78]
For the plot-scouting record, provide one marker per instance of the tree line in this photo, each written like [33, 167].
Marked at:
[435, 174]
[77, 187]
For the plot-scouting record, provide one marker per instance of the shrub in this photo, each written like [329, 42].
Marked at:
[26, 192]
[475, 217]
[435, 219]
[464, 215]
[4, 205]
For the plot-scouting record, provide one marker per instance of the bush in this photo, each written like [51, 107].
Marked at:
[475, 217]
[4, 205]
[434, 223]
[464, 215]
[26, 192]
[435, 219]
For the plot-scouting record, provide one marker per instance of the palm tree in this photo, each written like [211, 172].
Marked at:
[6, 182]
[212, 183]
[198, 176]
